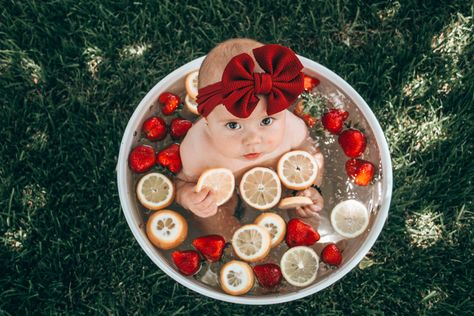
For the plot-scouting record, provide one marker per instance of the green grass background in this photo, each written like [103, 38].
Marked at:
[69, 82]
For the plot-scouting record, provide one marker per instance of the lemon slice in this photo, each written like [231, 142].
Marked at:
[191, 104]
[299, 265]
[350, 218]
[293, 202]
[297, 169]
[155, 191]
[191, 83]
[166, 229]
[251, 242]
[275, 225]
[220, 180]
[260, 188]
[236, 277]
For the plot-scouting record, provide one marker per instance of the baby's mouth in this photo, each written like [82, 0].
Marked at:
[252, 156]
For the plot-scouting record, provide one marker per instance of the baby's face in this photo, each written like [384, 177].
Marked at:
[246, 139]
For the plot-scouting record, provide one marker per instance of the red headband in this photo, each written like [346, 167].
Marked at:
[282, 82]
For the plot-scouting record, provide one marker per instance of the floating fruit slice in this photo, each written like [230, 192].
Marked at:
[236, 277]
[260, 188]
[191, 104]
[191, 83]
[251, 242]
[155, 191]
[299, 265]
[220, 180]
[293, 202]
[297, 169]
[350, 218]
[166, 229]
[274, 224]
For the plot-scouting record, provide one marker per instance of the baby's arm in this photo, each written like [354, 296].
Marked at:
[200, 203]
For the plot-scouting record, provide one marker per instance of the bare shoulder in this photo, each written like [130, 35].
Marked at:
[191, 151]
[298, 129]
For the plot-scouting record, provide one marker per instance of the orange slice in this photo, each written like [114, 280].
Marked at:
[155, 191]
[236, 277]
[275, 225]
[191, 83]
[260, 188]
[297, 169]
[220, 180]
[350, 218]
[251, 242]
[191, 104]
[293, 202]
[299, 265]
[166, 229]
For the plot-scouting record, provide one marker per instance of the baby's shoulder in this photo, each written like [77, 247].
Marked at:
[192, 150]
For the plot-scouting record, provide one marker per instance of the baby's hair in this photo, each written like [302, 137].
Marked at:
[215, 62]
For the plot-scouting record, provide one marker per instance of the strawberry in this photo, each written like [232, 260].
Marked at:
[170, 158]
[169, 102]
[210, 246]
[141, 158]
[333, 120]
[300, 111]
[331, 255]
[154, 128]
[360, 171]
[187, 262]
[298, 233]
[268, 274]
[353, 142]
[310, 83]
[179, 127]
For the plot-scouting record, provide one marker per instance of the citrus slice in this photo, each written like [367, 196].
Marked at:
[191, 83]
[260, 188]
[297, 169]
[350, 218]
[155, 191]
[236, 277]
[220, 180]
[191, 104]
[299, 265]
[294, 202]
[166, 229]
[275, 225]
[251, 242]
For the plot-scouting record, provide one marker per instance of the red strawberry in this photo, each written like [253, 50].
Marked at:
[210, 246]
[154, 128]
[179, 127]
[268, 274]
[331, 255]
[310, 83]
[333, 120]
[309, 120]
[169, 102]
[298, 233]
[361, 171]
[187, 262]
[141, 158]
[170, 158]
[353, 142]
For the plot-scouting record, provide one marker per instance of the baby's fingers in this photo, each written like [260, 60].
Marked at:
[200, 196]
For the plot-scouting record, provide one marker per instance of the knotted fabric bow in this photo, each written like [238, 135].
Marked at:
[282, 82]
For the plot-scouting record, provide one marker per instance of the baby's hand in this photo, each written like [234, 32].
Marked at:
[314, 209]
[200, 203]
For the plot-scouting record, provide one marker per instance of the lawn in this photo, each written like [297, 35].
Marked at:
[72, 73]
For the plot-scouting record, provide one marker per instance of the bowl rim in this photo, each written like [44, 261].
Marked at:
[379, 221]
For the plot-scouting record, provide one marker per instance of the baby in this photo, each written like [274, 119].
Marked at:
[245, 123]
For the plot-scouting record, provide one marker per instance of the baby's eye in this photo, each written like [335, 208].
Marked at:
[233, 125]
[266, 121]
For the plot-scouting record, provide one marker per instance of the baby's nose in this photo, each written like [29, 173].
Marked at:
[252, 138]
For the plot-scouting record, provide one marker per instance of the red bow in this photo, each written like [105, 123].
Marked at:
[282, 82]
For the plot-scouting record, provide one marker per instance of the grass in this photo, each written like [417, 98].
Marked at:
[72, 73]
